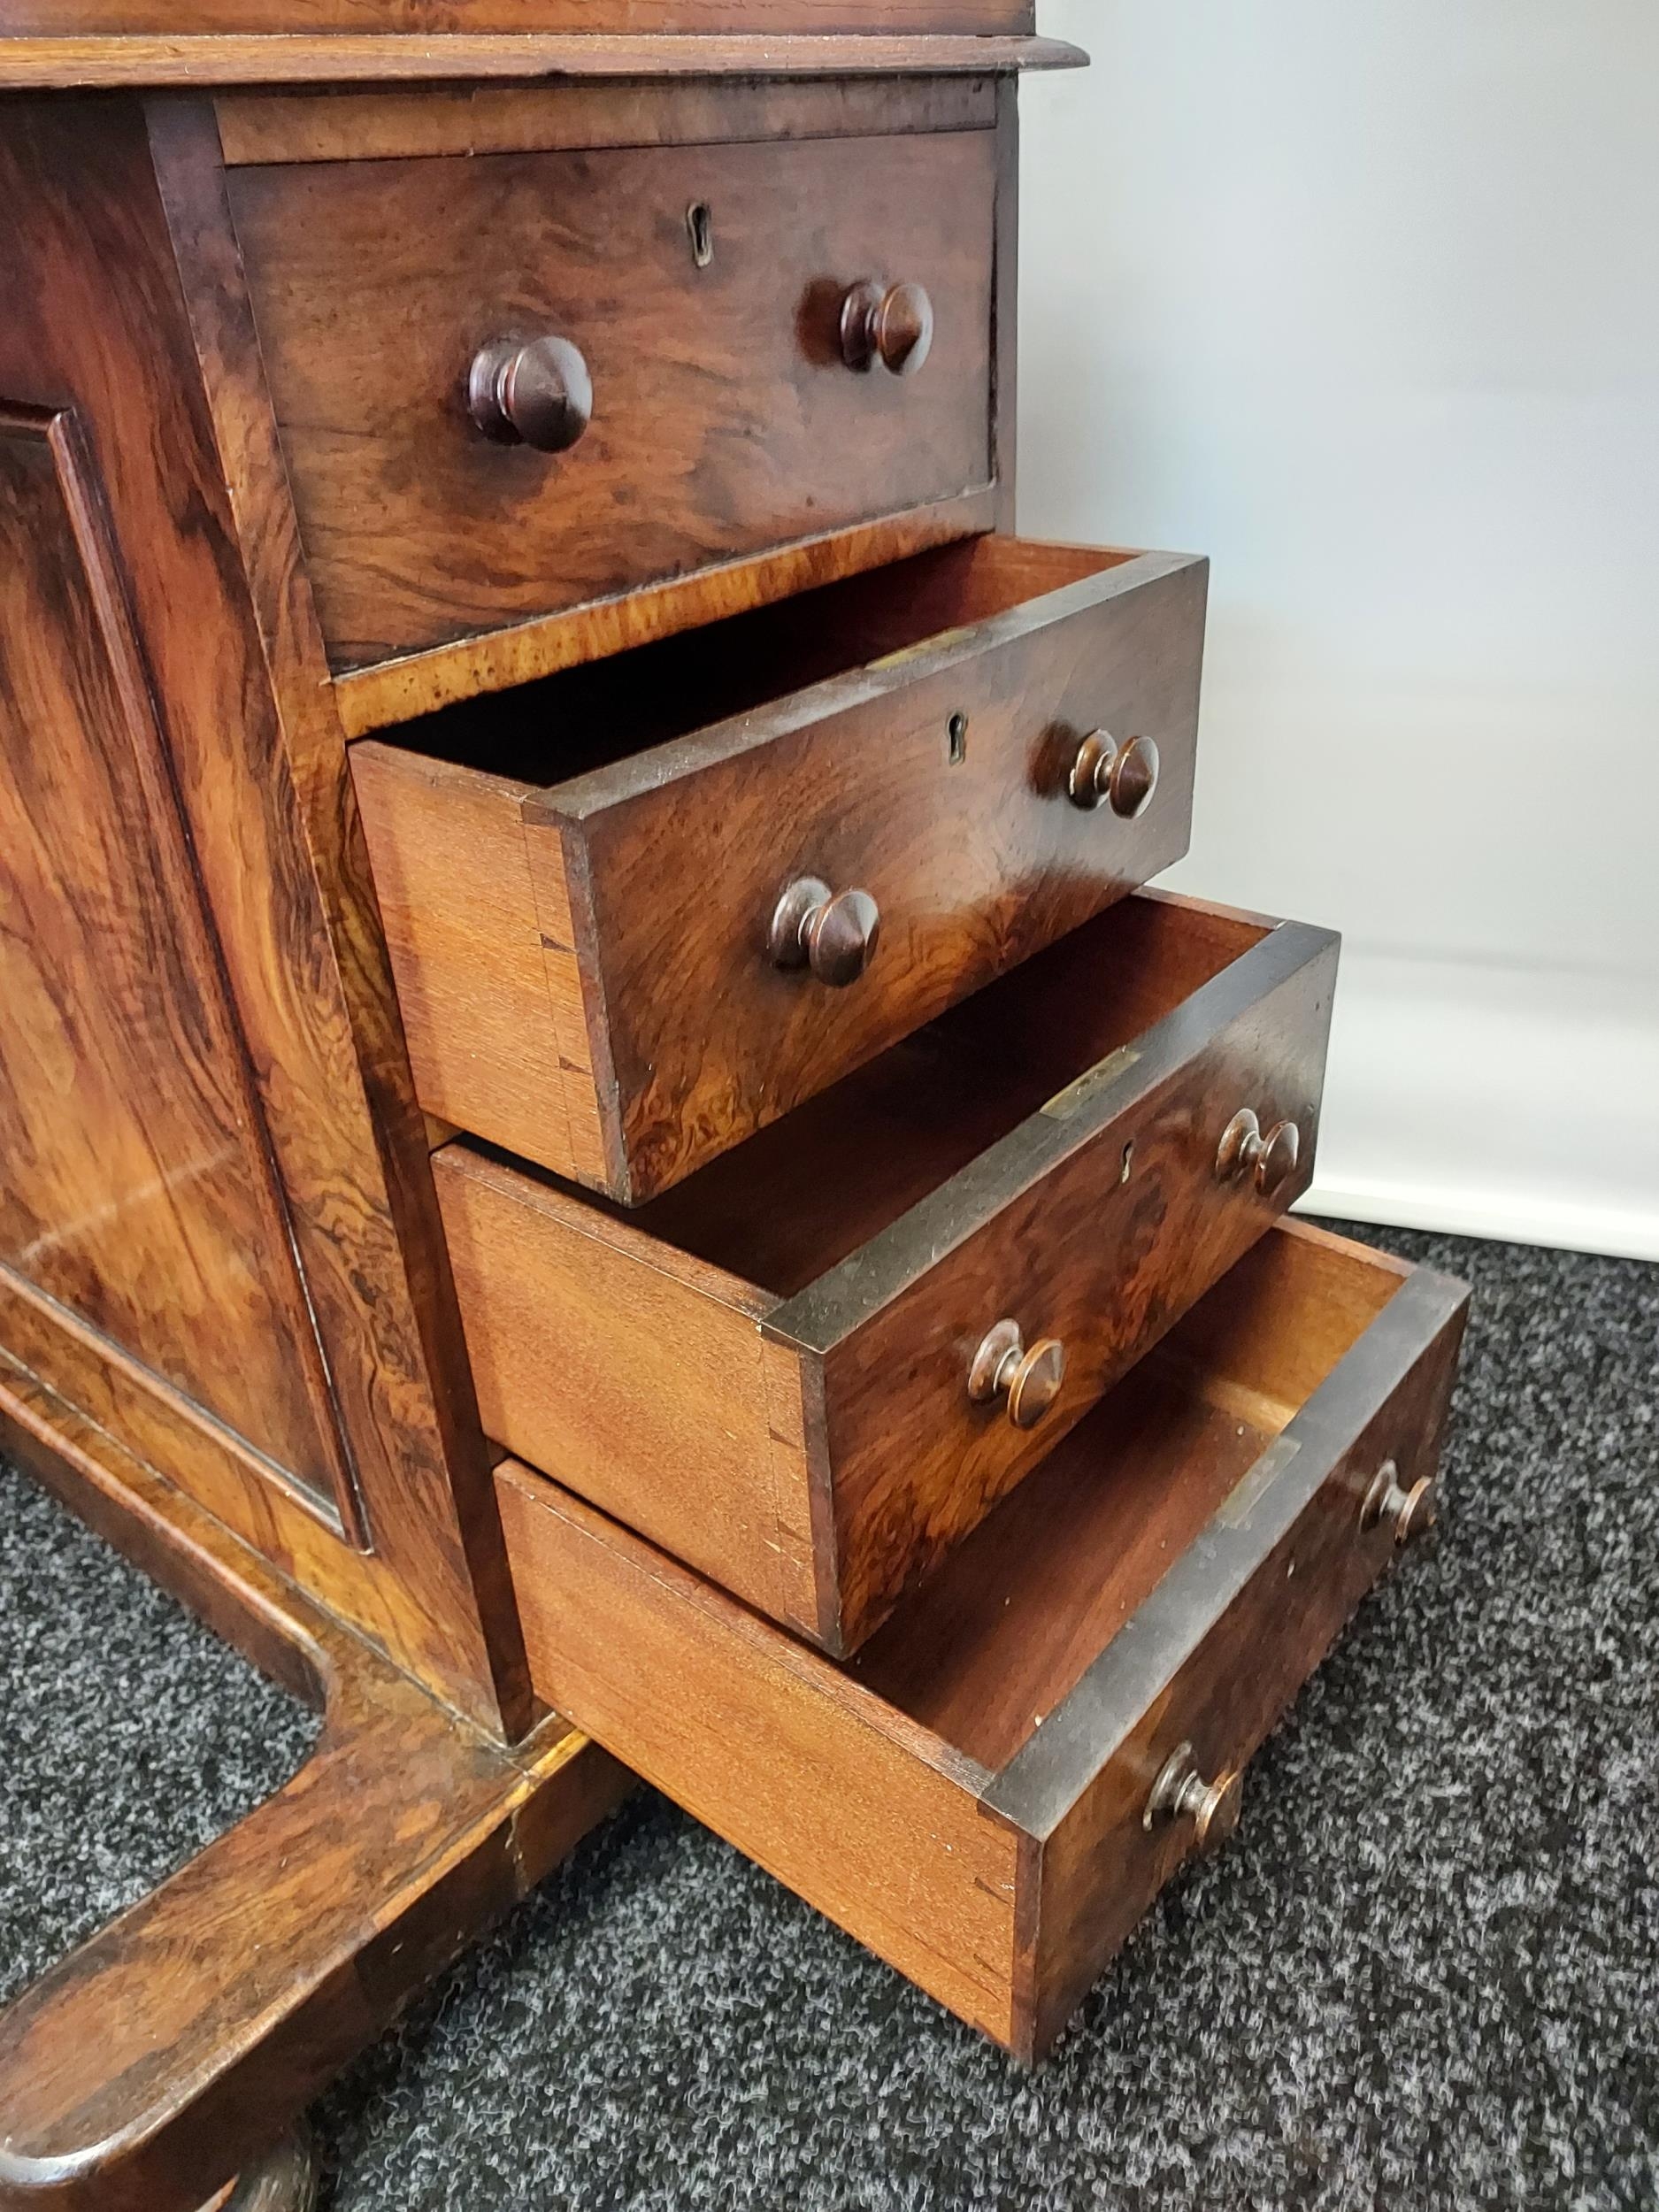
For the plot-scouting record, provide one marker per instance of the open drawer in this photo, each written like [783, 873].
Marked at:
[641, 909]
[993, 1792]
[813, 1366]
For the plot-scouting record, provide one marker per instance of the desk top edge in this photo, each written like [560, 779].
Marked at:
[211, 59]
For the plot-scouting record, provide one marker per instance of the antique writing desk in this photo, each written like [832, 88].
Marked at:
[594, 1120]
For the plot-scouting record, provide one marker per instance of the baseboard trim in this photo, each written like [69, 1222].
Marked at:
[1505, 1217]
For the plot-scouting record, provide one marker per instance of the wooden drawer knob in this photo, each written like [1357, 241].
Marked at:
[539, 393]
[1267, 1159]
[1182, 1793]
[1029, 1381]
[892, 324]
[1122, 777]
[834, 934]
[1409, 1511]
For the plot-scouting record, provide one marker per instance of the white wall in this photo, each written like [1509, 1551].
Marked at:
[1362, 298]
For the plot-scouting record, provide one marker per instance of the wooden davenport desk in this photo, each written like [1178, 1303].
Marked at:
[592, 1121]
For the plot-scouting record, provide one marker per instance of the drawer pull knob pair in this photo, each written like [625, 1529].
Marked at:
[892, 324]
[1182, 1793]
[1106, 773]
[539, 394]
[1410, 1511]
[1028, 1381]
[1266, 1158]
[833, 934]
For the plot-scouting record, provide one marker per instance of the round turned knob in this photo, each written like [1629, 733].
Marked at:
[1122, 777]
[835, 935]
[1267, 1159]
[1182, 1793]
[892, 324]
[539, 393]
[1410, 1511]
[1029, 1381]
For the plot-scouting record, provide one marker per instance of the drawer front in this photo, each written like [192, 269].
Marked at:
[724, 417]
[1092, 1228]
[1220, 1650]
[938, 791]
[1002, 1881]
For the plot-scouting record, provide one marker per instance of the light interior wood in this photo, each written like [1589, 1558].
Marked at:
[992, 1643]
[588, 717]
[802, 1194]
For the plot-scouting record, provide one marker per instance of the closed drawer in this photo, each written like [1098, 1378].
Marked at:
[977, 1797]
[696, 294]
[814, 1366]
[591, 971]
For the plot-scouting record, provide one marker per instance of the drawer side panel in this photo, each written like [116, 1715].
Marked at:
[764, 1743]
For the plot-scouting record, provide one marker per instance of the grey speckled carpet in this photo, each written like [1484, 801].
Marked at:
[1427, 1972]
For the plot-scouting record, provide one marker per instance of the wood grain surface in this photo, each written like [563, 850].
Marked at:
[705, 773]
[725, 420]
[1173, 1574]
[328, 125]
[587, 22]
[266, 908]
[54, 58]
[874, 1237]
[138, 1194]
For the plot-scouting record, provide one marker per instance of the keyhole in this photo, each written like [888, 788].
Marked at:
[956, 739]
[1127, 1168]
[700, 224]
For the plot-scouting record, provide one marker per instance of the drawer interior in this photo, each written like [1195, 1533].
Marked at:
[986, 1648]
[604, 711]
[809, 1190]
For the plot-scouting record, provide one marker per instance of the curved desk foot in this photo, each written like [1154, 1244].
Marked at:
[158, 2060]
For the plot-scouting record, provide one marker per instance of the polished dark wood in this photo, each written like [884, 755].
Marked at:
[971, 1798]
[905, 736]
[725, 423]
[779, 1356]
[165, 2053]
[112, 978]
[215, 1160]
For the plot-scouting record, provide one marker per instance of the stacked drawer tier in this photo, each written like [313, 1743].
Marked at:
[813, 1367]
[639, 910]
[994, 1791]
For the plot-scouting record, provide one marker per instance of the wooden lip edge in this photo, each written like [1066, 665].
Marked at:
[579, 798]
[829, 1309]
[1045, 1778]
[376, 696]
[36, 64]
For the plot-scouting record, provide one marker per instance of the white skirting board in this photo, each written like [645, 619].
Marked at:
[1513, 1104]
